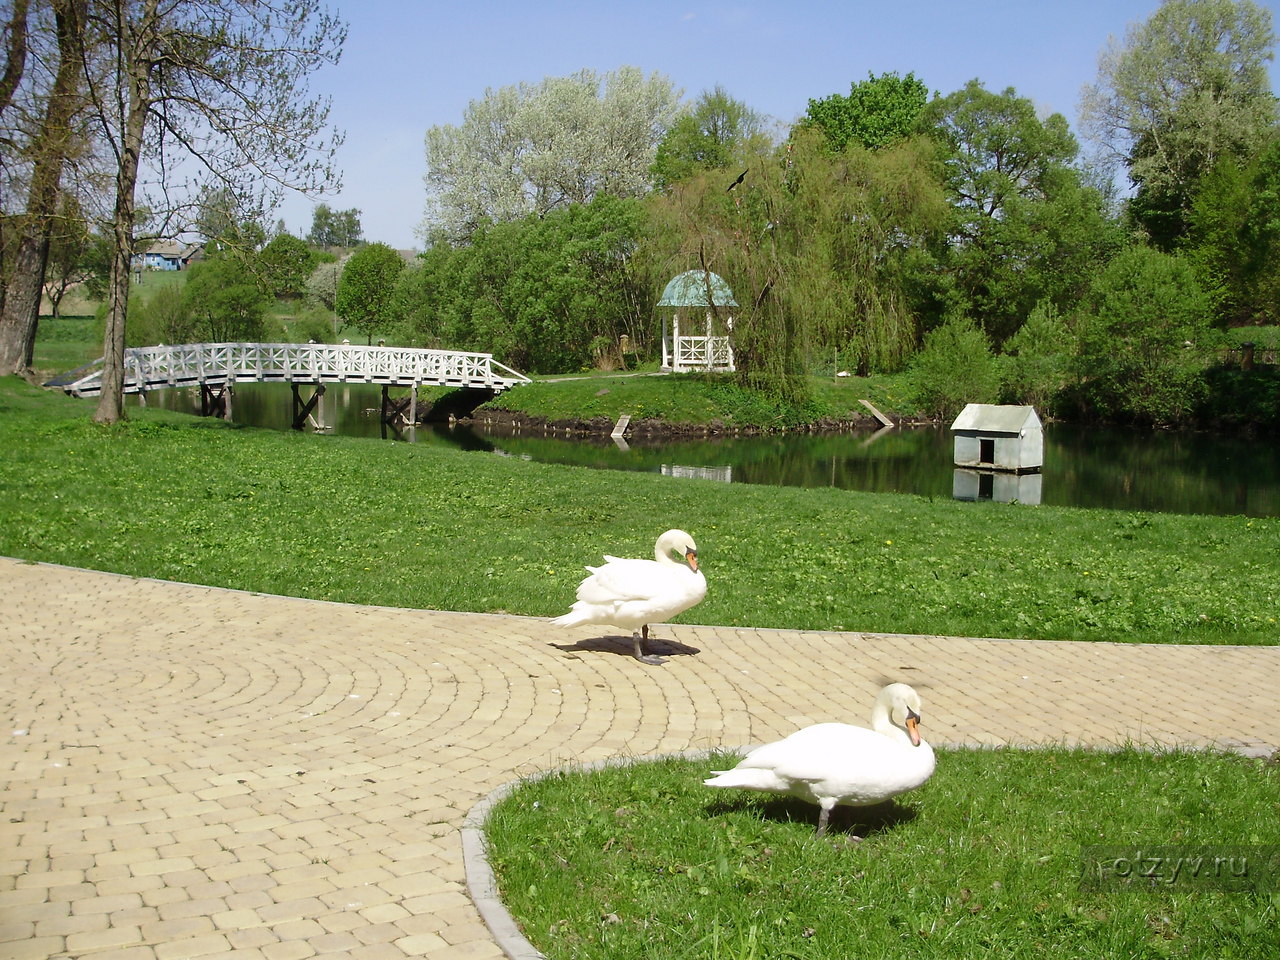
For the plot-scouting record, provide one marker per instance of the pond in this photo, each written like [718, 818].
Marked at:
[1084, 466]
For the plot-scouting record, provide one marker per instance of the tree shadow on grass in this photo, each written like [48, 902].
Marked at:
[852, 822]
[623, 647]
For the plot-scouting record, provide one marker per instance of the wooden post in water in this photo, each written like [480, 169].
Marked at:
[303, 410]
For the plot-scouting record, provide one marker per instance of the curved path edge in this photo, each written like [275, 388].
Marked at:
[195, 772]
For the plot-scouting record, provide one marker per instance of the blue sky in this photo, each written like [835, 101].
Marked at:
[411, 64]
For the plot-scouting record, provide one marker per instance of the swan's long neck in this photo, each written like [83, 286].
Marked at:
[670, 543]
[882, 722]
[664, 557]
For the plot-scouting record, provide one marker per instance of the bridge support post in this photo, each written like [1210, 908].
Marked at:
[215, 402]
[302, 410]
[393, 411]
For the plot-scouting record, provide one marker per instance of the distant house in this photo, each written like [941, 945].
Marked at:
[169, 255]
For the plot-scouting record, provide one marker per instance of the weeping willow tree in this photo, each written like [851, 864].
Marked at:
[816, 247]
[867, 214]
[741, 228]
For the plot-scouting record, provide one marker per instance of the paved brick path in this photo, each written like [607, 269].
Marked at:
[191, 772]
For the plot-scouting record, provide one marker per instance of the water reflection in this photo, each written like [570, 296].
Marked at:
[997, 486]
[1084, 466]
[723, 474]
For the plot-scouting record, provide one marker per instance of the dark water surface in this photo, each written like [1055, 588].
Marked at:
[1083, 466]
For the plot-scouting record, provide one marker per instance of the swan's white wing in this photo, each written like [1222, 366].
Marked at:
[625, 580]
[817, 752]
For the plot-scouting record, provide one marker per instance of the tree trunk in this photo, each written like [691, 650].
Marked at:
[111, 401]
[21, 314]
[16, 56]
[22, 304]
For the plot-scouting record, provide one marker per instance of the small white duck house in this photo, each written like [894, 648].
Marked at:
[999, 437]
[690, 342]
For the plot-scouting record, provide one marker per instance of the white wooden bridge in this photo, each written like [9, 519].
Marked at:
[217, 364]
[216, 367]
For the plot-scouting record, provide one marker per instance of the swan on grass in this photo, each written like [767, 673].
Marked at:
[838, 763]
[632, 594]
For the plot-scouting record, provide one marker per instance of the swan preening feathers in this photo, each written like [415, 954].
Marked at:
[837, 763]
[632, 594]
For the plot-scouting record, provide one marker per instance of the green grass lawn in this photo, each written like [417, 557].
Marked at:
[985, 860]
[64, 343]
[367, 521]
[692, 398]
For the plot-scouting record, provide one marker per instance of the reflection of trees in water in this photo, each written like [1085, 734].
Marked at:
[1171, 472]
[1084, 466]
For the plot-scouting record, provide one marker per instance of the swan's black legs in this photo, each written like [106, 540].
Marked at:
[639, 640]
[822, 821]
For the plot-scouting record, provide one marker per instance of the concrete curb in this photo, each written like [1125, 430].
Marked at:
[482, 884]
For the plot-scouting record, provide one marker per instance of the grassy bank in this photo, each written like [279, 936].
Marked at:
[697, 399]
[985, 859]
[175, 497]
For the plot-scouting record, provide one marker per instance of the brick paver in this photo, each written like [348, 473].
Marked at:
[191, 772]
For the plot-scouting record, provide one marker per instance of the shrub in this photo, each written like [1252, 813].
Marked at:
[1145, 339]
[1038, 360]
[955, 367]
[163, 317]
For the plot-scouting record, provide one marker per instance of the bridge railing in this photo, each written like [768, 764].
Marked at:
[154, 368]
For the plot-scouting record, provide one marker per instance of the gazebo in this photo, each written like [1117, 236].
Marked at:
[705, 291]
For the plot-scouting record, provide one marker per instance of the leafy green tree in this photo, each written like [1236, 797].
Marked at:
[366, 288]
[817, 249]
[711, 136]
[997, 149]
[1039, 360]
[749, 237]
[334, 228]
[286, 263]
[166, 316]
[1187, 87]
[1234, 239]
[543, 293]
[1145, 339]
[877, 112]
[861, 217]
[954, 367]
[322, 285]
[226, 303]
[534, 148]
[1026, 226]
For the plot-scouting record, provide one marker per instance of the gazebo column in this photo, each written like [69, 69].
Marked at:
[666, 364]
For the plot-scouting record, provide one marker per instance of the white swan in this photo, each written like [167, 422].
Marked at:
[635, 593]
[837, 763]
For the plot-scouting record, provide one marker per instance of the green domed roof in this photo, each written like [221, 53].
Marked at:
[690, 290]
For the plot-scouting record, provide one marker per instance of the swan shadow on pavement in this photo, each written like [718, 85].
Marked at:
[624, 647]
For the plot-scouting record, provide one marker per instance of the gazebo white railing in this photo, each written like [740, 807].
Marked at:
[699, 353]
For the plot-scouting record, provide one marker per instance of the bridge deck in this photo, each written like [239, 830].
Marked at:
[192, 364]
